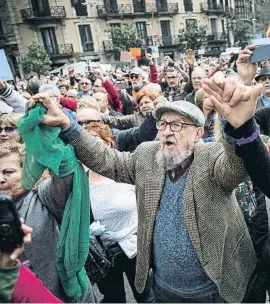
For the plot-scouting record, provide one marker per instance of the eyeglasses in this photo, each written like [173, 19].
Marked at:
[175, 126]
[7, 129]
[84, 83]
[86, 122]
[172, 77]
[134, 76]
[264, 78]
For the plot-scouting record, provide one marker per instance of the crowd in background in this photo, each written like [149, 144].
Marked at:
[153, 161]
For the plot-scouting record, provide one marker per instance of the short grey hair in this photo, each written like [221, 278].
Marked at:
[33, 85]
[50, 86]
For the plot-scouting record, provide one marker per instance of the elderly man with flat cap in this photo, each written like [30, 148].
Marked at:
[191, 231]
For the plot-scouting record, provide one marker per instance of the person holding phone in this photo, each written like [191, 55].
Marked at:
[17, 283]
[247, 71]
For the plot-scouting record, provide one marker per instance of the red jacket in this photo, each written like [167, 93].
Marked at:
[114, 101]
[29, 289]
[153, 77]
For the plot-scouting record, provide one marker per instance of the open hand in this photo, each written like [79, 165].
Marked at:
[245, 68]
[233, 100]
[54, 116]
[190, 57]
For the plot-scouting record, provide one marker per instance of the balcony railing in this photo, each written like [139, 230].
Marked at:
[213, 8]
[248, 16]
[162, 41]
[7, 39]
[128, 10]
[217, 37]
[60, 50]
[88, 46]
[54, 12]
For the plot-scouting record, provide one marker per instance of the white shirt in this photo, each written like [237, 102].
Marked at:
[114, 206]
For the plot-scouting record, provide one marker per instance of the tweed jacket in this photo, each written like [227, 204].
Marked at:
[213, 217]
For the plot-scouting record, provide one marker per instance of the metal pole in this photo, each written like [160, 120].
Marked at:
[254, 18]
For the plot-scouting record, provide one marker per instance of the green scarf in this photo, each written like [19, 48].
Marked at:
[45, 149]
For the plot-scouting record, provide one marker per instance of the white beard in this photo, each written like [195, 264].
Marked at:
[172, 162]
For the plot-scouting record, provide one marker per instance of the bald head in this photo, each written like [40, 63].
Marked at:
[88, 114]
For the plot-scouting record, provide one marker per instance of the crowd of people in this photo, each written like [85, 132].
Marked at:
[165, 167]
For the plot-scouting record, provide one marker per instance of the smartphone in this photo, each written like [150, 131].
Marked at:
[262, 50]
[11, 233]
[121, 85]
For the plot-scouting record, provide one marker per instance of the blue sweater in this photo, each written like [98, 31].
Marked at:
[177, 268]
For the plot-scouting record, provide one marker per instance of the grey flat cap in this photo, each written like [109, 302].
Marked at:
[136, 71]
[183, 108]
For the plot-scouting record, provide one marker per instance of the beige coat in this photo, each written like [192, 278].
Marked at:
[214, 220]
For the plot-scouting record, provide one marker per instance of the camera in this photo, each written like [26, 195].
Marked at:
[11, 233]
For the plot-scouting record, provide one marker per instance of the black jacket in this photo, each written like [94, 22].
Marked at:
[262, 117]
[254, 155]
[128, 140]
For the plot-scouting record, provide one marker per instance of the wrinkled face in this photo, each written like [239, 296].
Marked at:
[9, 133]
[172, 79]
[85, 85]
[72, 94]
[98, 87]
[146, 104]
[265, 80]
[136, 80]
[63, 90]
[196, 78]
[10, 176]
[177, 143]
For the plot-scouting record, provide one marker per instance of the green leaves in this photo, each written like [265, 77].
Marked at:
[193, 39]
[36, 60]
[124, 37]
[242, 32]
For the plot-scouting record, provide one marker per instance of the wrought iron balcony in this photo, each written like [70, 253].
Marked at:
[128, 10]
[29, 15]
[243, 15]
[217, 37]
[88, 46]
[7, 39]
[60, 50]
[211, 8]
[162, 41]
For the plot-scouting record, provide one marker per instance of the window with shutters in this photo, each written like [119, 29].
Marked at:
[80, 7]
[166, 32]
[139, 6]
[188, 5]
[49, 40]
[162, 5]
[86, 38]
[191, 24]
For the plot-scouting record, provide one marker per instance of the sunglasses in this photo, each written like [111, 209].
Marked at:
[7, 129]
[84, 83]
[134, 76]
[86, 122]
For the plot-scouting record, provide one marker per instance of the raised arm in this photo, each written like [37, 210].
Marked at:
[12, 98]
[128, 140]
[120, 122]
[236, 103]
